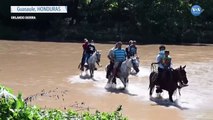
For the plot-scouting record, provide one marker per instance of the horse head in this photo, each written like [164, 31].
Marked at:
[135, 63]
[98, 56]
[182, 74]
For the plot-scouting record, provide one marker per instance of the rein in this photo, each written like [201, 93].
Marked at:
[181, 77]
[180, 80]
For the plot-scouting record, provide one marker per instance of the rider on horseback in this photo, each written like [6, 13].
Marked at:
[111, 58]
[84, 46]
[119, 56]
[159, 59]
[167, 64]
[89, 51]
[131, 49]
[167, 61]
[128, 47]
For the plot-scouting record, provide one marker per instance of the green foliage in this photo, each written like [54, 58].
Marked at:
[16, 109]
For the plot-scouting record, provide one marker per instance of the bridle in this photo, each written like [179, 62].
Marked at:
[98, 56]
[181, 77]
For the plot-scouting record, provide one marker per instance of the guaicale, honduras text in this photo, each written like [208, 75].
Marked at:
[40, 8]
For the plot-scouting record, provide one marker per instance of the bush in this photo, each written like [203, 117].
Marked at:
[12, 107]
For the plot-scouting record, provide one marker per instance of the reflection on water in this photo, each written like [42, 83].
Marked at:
[194, 99]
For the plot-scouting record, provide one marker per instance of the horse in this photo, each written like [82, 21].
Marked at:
[124, 71]
[176, 79]
[94, 58]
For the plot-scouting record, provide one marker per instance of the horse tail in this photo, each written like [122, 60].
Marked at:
[79, 66]
[152, 79]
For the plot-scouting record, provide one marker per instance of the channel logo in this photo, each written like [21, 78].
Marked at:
[196, 10]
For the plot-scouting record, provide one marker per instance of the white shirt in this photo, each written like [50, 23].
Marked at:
[110, 54]
[158, 59]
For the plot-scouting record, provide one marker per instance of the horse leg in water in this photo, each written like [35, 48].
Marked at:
[108, 71]
[151, 87]
[91, 72]
[91, 68]
[114, 80]
[127, 81]
[170, 95]
[123, 80]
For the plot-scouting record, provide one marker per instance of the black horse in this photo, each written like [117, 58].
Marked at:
[170, 80]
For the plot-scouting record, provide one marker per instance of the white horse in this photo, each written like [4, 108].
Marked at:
[95, 58]
[124, 71]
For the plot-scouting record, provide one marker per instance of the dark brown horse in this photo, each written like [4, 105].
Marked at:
[170, 80]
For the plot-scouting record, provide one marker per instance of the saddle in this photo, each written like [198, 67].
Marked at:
[118, 70]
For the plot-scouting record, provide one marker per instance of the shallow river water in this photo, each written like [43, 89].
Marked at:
[51, 68]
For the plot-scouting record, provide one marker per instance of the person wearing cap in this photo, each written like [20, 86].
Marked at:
[84, 46]
[111, 59]
[159, 60]
[119, 55]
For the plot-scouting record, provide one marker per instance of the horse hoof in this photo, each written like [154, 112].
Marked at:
[127, 85]
[124, 86]
[113, 85]
[159, 96]
[108, 85]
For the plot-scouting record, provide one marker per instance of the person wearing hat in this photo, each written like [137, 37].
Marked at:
[119, 55]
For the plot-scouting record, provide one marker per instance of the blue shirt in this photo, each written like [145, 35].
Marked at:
[119, 55]
[133, 50]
